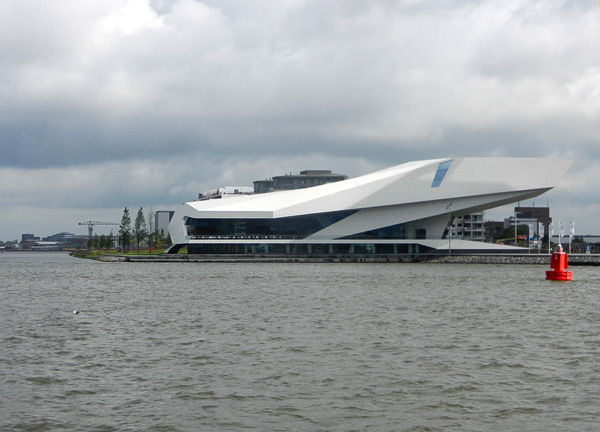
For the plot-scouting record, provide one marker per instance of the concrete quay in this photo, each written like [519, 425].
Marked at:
[499, 259]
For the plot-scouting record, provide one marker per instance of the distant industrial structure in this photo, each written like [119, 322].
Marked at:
[90, 225]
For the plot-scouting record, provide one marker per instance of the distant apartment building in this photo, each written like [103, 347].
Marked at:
[520, 216]
[225, 192]
[305, 179]
[540, 214]
[29, 237]
[469, 227]
[28, 241]
[161, 221]
[529, 215]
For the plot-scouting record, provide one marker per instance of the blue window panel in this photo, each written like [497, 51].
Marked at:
[441, 173]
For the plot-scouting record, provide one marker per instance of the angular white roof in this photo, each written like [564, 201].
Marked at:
[395, 195]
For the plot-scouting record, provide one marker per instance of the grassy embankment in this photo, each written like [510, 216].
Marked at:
[96, 253]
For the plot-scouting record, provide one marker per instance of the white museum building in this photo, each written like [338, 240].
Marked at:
[404, 209]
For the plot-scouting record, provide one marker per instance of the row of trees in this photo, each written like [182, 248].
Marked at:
[141, 233]
[101, 242]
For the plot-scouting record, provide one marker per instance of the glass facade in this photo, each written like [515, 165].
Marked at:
[304, 249]
[408, 230]
[257, 234]
[296, 227]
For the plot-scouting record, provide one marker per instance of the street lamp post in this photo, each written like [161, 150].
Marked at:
[516, 227]
[449, 208]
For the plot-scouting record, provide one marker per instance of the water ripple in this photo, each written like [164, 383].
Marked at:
[316, 347]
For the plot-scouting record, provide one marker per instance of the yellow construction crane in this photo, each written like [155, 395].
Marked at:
[91, 224]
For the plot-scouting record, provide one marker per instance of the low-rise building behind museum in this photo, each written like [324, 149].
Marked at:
[306, 179]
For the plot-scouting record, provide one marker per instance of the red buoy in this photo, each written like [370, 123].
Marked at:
[559, 264]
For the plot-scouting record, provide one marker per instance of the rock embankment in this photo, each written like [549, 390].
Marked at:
[111, 258]
[574, 260]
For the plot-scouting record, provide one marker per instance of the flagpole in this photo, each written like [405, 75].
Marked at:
[541, 236]
[516, 224]
[561, 232]
[449, 208]
[569, 245]
[571, 233]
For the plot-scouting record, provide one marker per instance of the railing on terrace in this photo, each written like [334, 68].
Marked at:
[252, 237]
[291, 237]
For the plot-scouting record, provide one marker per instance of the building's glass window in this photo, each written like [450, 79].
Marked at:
[290, 227]
[409, 230]
[304, 249]
[441, 173]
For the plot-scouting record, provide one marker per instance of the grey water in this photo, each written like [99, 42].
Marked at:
[295, 347]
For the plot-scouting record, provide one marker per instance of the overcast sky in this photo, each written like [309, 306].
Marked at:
[113, 103]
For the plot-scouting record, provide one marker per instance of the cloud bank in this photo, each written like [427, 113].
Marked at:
[113, 103]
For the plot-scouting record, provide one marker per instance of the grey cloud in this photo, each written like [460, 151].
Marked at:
[543, 41]
[208, 91]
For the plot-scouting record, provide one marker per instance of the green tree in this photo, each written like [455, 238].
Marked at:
[151, 233]
[125, 230]
[140, 229]
[109, 241]
[160, 239]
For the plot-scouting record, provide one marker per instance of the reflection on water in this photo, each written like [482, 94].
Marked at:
[318, 347]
